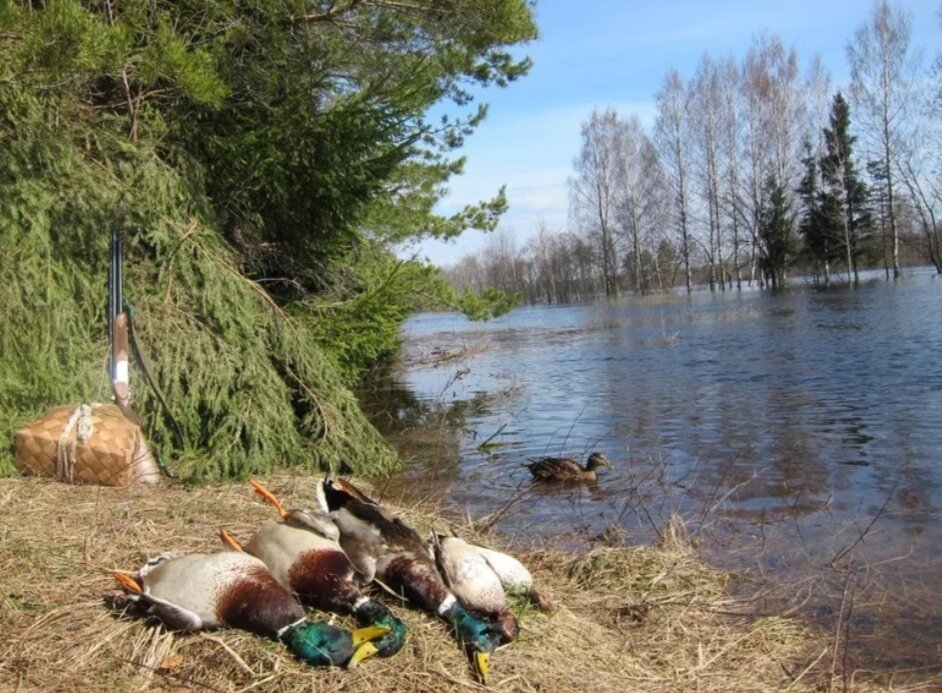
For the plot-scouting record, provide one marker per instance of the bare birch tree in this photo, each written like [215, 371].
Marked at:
[775, 126]
[672, 134]
[708, 101]
[638, 195]
[595, 187]
[925, 192]
[502, 261]
[818, 96]
[883, 74]
[731, 148]
[919, 171]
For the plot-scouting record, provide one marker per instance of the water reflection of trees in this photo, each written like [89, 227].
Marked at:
[426, 431]
[725, 460]
[393, 408]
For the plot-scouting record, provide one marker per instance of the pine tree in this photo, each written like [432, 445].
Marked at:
[843, 193]
[776, 233]
[813, 227]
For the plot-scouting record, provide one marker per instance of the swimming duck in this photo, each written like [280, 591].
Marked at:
[386, 549]
[199, 591]
[566, 469]
[481, 578]
[303, 553]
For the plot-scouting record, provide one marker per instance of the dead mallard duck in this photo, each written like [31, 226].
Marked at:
[567, 469]
[303, 553]
[200, 591]
[383, 547]
[481, 578]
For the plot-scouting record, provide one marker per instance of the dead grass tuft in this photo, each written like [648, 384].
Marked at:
[627, 619]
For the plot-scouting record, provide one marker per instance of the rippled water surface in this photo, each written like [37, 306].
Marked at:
[799, 434]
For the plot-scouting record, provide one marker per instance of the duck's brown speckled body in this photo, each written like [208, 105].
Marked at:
[567, 469]
[384, 547]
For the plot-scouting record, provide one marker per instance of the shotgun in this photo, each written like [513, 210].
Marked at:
[119, 326]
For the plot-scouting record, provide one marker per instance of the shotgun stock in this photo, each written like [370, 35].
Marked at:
[118, 321]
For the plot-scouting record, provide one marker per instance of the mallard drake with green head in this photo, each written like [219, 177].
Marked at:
[303, 553]
[383, 547]
[200, 591]
[567, 469]
[481, 578]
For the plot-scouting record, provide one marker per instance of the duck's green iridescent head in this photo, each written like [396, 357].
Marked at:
[324, 645]
[478, 636]
[376, 613]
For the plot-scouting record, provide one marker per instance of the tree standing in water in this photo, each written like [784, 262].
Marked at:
[595, 189]
[883, 73]
[776, 234]
[672, 134]
[843, 193]
[818, 246]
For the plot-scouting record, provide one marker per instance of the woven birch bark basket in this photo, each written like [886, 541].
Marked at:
[87, 444]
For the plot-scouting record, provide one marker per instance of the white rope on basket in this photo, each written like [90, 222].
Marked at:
[81, 422]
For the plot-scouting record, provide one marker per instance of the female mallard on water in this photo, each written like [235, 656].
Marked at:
[566, 469]
[385, 548]
[481, 578]
[303, 553]
[199, 591]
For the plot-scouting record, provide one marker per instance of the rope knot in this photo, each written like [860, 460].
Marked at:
[81, 424]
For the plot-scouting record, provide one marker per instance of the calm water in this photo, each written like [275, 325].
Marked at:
[798, 434]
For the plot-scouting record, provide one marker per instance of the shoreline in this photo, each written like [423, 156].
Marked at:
[637, 618]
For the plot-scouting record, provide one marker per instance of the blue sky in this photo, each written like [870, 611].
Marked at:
[615, 53]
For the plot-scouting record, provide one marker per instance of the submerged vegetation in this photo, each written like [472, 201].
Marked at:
[261, 160]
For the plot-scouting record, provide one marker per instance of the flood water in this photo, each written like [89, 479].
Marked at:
[798, 434]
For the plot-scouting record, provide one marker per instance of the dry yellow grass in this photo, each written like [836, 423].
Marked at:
[627, 619]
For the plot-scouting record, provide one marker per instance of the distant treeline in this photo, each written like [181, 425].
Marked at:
[753, 171]
[564, 268]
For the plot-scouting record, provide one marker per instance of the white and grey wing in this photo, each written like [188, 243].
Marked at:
[362, 542]
[514, 576]
[441, 559]
[316, 522]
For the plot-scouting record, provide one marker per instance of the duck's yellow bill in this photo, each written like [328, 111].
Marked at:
[482, 663]
[364, 651]
[364, 635]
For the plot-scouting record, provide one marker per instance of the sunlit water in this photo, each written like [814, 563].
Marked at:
[799, 435]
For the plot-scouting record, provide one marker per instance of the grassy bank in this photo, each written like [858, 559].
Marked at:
[626, 619]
